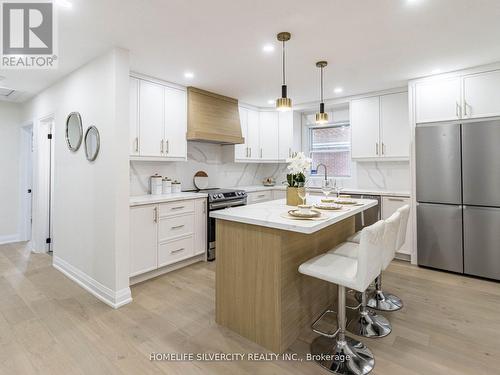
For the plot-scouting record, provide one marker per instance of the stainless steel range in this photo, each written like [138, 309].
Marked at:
[218, 199]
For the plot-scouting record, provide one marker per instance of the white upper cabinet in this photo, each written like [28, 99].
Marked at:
[151, 97]
[395, 125]
[158, 121]
[365, 127]
[285, 134]
[175, 123]
[438, 100]
[134, 117]
[482, 95]
[465, 96]
[241, 150]
[269, 135]
[380, 127]
[253, 135]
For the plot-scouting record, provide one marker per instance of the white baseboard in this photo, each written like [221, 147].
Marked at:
[10, 238]
[102, 292]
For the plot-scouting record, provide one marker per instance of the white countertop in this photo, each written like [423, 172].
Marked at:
[152, 199]
[388, 193]
[268, 214]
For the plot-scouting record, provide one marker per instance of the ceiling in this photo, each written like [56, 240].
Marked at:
[370, 45]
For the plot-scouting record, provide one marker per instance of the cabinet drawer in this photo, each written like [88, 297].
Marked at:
[174, 251]
[260, 196]
[174, 208]
[175, 226]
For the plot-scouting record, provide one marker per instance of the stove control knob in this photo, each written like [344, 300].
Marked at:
[221, 196]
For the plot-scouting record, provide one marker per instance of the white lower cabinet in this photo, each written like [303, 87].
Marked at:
[259, 196]
[175, 251]
[279, 194]
[389, 206]
[166, 233]
[143, 239]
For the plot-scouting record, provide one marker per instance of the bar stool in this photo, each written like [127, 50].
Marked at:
[367, 323]
[338, 352]
[378, 299]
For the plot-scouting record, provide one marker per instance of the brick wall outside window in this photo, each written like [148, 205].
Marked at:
[331, 145]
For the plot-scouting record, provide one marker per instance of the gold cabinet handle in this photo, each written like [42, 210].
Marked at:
[376, 148]
[161, 146]
[383, 148]
[136, 144]
[177, 251]
[168, 147]
[155, 215]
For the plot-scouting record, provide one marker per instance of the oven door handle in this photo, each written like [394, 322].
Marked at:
[240, 202]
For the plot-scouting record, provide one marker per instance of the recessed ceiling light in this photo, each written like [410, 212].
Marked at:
[338, 90]
[268, 48]
[436, 71]
[64, 3]
[270, 101]
[189, 75]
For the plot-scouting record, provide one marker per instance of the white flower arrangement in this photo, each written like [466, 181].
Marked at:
[298, 166]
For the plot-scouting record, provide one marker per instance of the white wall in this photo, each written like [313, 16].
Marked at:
[10, 136]
[216, 160]
[90, 218]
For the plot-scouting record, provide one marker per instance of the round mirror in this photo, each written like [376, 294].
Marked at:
[92, 143]
[74, 131]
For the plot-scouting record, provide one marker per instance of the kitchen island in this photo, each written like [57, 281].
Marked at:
[259, 292]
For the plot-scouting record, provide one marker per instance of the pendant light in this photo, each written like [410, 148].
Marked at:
[284, 103]
[321, 116]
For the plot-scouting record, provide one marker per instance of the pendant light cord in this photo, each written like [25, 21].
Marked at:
[321, 84]
[283, 62]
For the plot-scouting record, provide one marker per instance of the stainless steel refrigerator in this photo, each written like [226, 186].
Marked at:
[458, 195]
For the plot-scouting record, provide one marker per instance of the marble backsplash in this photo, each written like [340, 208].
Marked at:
[218, 162]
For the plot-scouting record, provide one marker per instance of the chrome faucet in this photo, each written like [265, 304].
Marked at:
[326, 171]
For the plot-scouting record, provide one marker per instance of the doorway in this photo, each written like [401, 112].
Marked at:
[42, 191]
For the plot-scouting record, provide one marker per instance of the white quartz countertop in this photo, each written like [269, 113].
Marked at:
[268, 214]
[173, 197]
[388, 193]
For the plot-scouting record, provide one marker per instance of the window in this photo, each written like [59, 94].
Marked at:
[331, 145]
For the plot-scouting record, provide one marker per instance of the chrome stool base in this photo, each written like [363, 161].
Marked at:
[381, 301]
[369, 324]
[346, 357]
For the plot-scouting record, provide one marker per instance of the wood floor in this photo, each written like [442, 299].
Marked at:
[49, 325]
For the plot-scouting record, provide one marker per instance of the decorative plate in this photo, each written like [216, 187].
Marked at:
[297, 213]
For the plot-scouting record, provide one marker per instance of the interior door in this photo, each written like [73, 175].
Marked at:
[269, 135]
[240, 151]
[253, 134]
[481, 163]
[482, 95]
[175, 122]
[365, 127]
[134, 116]
[285, 138]
[438, 100]
[395, 125]
[439, 236]
[438, 164]
[151, 124]
[481, 241]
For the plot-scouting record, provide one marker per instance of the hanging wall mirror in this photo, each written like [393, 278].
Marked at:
[74, 131]
[92, 143]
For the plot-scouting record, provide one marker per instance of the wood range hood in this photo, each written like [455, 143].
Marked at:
[213, 118]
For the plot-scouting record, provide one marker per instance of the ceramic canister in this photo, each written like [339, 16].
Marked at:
[155, 183]
[167, 186]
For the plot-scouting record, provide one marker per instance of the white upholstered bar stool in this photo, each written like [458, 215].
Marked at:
[378, 299]
[367, 323]
[339, 353]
